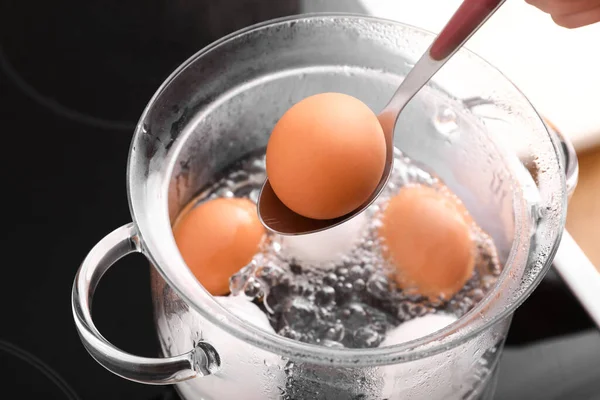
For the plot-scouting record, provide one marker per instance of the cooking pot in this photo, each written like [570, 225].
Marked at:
[470, 126]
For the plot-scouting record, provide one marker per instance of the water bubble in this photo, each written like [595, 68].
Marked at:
[253, 288]
[289, 333]
[238, 176]
[277, 297]
[301, 313]
[378, 286]
[295, 268]
[332, 344]
[355, 272]
[366, 337]
[340, 293]
[359, 285]
[238, 281]
[275, 246]
[488, 282]
[357, 309]
[269, 274]
[289, 368]
[419, 310]
[349, 302]
[325, 296]
[257, 165]
[368, 270]
[477, 294]
[225, 192]
[409, 310]
[336, 332]
[330, 279]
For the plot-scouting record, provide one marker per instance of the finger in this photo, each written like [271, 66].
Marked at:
[564, 7]
[578, 19]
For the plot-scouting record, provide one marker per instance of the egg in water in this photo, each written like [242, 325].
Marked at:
[217, 238]
[326, 156]
[427, 236]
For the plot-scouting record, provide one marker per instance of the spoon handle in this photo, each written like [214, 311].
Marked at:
[466, 20]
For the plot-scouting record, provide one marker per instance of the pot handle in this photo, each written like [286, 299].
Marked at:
[200, 361]
[571, 164]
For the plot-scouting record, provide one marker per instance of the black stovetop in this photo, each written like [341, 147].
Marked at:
[74, 77]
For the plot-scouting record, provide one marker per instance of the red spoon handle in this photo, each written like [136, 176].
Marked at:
[469, 16]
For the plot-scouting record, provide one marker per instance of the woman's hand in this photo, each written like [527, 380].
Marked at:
[570, 13]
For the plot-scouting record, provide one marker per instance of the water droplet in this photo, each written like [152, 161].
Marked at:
[445, 122]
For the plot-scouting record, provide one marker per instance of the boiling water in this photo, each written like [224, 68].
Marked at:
[345, 297]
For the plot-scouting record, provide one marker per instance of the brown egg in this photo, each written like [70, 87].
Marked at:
[217, 238]
[427, 236]
[326, 155]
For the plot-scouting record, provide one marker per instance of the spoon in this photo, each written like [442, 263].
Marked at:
[469, 17]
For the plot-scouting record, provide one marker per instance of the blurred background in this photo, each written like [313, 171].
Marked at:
[76, 75]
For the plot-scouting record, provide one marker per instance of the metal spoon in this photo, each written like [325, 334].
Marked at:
[469, 17]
